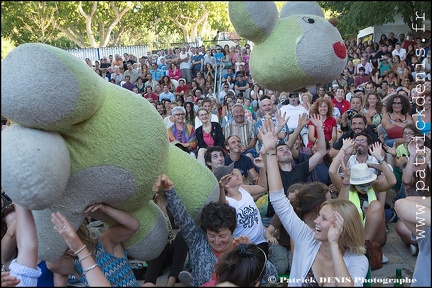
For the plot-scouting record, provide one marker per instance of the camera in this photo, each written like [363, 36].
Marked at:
[351, 113]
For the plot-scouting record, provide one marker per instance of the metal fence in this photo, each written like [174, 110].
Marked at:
[97, 53]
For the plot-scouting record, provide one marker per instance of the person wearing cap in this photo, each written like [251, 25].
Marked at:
[361, 185]
[182, 133]
[383, 51]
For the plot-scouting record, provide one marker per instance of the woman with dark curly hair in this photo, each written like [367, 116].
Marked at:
[324, 108]
[397, 116]
[210, 241]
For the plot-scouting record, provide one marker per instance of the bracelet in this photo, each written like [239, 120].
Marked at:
[85, 257]
[271, 154]
[79, 250]
[89, 269]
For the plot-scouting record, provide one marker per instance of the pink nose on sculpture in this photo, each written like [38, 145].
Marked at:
[340, 50]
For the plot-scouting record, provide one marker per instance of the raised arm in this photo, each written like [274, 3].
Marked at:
[115, 235]
[382, 184]
[27, 243]
[319, 155]
[302, 121]
[336, 179]
[94, 275]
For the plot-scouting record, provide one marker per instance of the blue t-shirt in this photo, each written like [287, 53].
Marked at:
[244, 164]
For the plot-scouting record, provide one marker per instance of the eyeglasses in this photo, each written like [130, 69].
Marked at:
[397, 103]
[360, 140]
[408, 134]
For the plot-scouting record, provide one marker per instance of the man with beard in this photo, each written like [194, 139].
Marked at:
[358, 124]
[362, 142]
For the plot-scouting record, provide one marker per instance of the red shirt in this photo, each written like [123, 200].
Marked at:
[153, 96]
[328, 125]
[343, 106]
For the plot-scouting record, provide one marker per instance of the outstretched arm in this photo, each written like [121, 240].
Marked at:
[26, 237]
[336, 179]
[114, 236]
[94, 275]
[319, 155]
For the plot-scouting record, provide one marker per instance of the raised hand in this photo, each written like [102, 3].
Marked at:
[316, 121]
[303, 120]
[346, 169]
[163, 183]
[224, 180]
[241, 240]
[268, 135]
[376, 150]
[336, 228]
[412, 147]
[65, 229]
[259, 162]
[280, 119]
[348, 145]
[391, 150]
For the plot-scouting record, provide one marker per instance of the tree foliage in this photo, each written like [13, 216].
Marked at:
[356, 15]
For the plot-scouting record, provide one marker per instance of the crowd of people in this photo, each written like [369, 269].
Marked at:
[304, 175]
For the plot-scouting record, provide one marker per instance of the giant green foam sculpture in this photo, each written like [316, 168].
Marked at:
[78, 140]
[294, 50]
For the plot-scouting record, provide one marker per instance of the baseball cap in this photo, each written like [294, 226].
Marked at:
[359, 89]
[240, 74]
[223, 170]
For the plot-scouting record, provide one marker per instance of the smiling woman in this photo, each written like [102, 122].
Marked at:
[336, 239]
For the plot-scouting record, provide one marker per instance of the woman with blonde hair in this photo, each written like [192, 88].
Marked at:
[334, 249]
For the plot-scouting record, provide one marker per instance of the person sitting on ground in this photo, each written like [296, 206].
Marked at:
[361, 186]
[244, 266]
[306, 201]
[416, 178]
[208, 242]
[93, 273]
[334, 249]
[24, 268]
[174, 254]
[242, 198]
[407, 209]
[107, 250]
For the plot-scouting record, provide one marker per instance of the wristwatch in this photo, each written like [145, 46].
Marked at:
[381, 160]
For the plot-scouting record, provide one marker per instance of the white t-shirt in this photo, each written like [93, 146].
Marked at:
[249, 221]
[293, 112]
